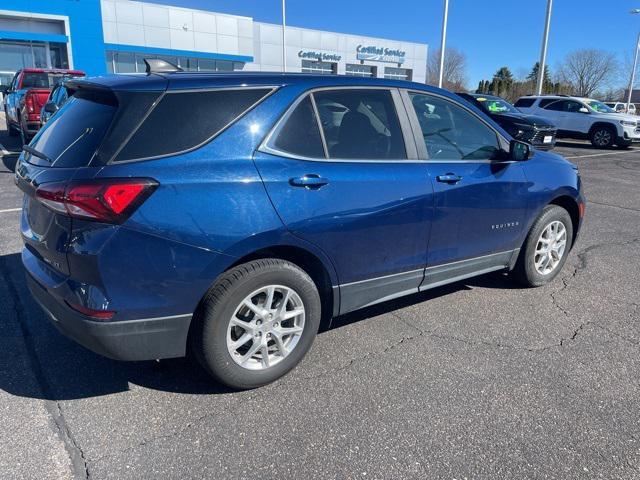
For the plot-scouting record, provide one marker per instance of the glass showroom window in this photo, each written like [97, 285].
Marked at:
[397, 73]
[15, 55]
[125, 62]
[360, 70]
[323, 68]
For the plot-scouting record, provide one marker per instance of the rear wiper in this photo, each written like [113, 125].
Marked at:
[36, 153]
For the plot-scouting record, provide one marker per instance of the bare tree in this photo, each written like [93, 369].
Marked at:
[588, 70]
[455, 67]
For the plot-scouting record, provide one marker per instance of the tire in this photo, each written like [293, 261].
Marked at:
[527, 270]
[603, 136]
[12, 131]
[222, 308]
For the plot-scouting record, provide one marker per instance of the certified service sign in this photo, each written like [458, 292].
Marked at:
[380, 54]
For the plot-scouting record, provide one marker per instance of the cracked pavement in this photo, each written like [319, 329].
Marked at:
[480, 379]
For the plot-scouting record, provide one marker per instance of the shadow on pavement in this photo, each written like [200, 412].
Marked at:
[64, 370]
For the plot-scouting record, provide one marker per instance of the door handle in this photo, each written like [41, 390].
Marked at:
[450, 178]
[310, 180]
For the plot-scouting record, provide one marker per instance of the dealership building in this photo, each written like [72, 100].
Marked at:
[114, 36]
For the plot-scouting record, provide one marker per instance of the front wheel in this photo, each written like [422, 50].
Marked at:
[545, 250]
[603, 137]
[256, 323]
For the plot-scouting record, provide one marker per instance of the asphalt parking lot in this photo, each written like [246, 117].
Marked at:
[480, 379]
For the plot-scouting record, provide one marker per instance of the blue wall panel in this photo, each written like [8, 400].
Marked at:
[85, 24]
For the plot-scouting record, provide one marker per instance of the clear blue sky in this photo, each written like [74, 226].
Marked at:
[492, 33]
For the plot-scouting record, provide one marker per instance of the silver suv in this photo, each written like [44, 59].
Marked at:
[584, 118]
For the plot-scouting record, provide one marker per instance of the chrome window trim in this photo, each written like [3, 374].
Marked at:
[266, 144]
[271, 90]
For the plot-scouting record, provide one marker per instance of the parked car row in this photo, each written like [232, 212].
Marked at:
[540, 119]
[584, 118]
[27, 94]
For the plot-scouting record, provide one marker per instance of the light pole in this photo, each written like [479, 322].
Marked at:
[635, 63]
[443, 41]
[284, 35]
[543, 52]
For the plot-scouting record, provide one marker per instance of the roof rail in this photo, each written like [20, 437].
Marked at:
[156, 65]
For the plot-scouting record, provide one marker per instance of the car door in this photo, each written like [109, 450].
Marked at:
[341, 170]
[554, 111]
[480, 195]
[575, 120]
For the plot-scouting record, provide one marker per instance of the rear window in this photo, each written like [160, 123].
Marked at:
[185, 120]
[72, 136]
[42, 79]
[525, 102]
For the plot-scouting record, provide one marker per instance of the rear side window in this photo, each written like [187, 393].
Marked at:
[546, 101]
[360, 124]
[558, 105]
[185, 120]
[72, 136]
[300, 134]
[525, 102]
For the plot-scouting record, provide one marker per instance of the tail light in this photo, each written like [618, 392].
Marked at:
[28, 101]
[106, 200]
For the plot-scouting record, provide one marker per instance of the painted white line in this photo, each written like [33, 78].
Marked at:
[7, 210]
[603, 154]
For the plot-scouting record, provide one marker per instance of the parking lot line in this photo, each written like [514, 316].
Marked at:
[7, 210]
[602, 154]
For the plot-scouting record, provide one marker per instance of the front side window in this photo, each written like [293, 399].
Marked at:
[452, 133]
[360, 124]
[573, 107]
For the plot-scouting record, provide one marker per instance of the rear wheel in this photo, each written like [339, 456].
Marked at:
[12, 131]
[603, 137]
[545, 250]
[256, 323]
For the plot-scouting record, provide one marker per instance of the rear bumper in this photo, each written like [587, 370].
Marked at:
[144, 339]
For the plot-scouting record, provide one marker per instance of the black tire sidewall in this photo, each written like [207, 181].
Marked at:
[215, 316]
[527, 270]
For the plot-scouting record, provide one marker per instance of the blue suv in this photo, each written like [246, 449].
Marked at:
[226, 214]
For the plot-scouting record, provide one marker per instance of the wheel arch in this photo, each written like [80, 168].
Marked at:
[601, 124]
[307, 261]
[570, 204]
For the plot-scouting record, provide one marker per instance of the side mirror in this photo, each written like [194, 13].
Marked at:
[4, 88]
[583, 110]
[519, 151]
[50, 107]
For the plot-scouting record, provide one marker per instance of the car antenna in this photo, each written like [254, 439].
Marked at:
[156, 65]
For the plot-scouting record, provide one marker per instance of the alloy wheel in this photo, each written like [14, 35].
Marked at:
[602, 138]
[265, 327]
[550, 247]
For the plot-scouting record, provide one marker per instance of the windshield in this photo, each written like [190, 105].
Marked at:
[599, 106]
[496, 105]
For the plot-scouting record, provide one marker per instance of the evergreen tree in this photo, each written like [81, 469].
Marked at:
[547, 84]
